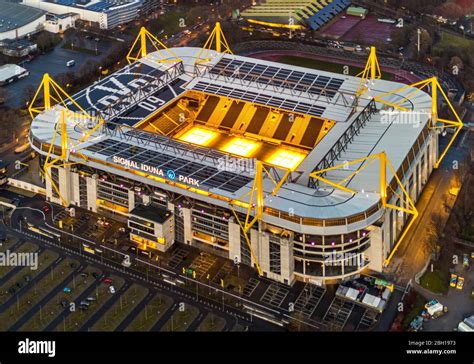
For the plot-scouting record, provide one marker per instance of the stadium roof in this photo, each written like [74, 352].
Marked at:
[294, 89]
[13, 16]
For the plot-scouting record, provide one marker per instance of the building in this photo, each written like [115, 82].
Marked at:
[213, 153]
[17, 47]
[59, 23]
[17, 21]
[106, 14]
[294, 14]
[357, 11]
[10, 73]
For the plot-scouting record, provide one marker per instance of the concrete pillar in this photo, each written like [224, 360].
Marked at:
[234, 241]
[188, 232]
[92, 194]
[287, 261]
[131, 200]
[378, 250]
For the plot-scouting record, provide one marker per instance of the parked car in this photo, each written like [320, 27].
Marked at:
[460, 283]
[67, 290]
[112, 289]
[465, 260]
[108, 280]
[453, 280]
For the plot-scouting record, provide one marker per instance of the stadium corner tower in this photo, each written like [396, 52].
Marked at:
[223, 153]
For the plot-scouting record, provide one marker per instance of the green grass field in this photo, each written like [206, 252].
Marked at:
[436, 281]
[453, 40]
[325, 66]
[37, 293]
[212, 323]
[149, 316]
[180, 320]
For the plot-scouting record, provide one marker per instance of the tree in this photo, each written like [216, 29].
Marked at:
[28, 94]
[4, 95]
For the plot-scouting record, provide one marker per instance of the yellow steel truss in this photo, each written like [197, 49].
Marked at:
[384, 186]
[54, 94]
[255, 204]
[436, 122]
[370, 72]
[143, 38]
[216, 37]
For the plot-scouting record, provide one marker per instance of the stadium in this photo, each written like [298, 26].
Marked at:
[303, 174]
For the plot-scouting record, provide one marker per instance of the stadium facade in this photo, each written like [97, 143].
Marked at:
[192, 151]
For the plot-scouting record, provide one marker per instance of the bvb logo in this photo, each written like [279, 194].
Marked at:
[171, 174]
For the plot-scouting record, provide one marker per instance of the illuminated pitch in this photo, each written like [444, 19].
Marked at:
[198, 136]
[286, 159]
[242, 147]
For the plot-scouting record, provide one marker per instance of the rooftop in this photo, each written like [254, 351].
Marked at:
[194, 152]
[151, 212]
[13, 16]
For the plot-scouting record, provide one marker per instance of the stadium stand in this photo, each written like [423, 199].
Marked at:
[312, 13]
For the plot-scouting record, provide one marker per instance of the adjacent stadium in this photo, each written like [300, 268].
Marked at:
[222, 152]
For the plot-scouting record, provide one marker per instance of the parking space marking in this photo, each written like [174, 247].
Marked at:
[274, 295]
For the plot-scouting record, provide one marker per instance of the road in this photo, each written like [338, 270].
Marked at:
[413, 253]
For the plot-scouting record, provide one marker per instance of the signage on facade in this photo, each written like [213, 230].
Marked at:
[160, 172]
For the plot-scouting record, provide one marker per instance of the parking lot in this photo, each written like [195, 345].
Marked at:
[71, 294]
[200, 274]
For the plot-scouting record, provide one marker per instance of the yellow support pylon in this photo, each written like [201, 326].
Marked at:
[435, 122]
[256, 204]
[143, 38]
[370, 72]
[217, 42]
[383, 185]
[52, 94]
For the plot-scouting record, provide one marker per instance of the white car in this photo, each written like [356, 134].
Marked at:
[112, 289]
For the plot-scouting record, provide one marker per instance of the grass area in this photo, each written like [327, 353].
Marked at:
[45, 259]
[436, 281]
[75, 320]
[36, 293]
[212, 323]
[53, 308]
[326, 66]
[151, 313]
[180, 320]
[69, 47]
[453, 40]
[414, 310]
[114, 316]
[23, 248]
